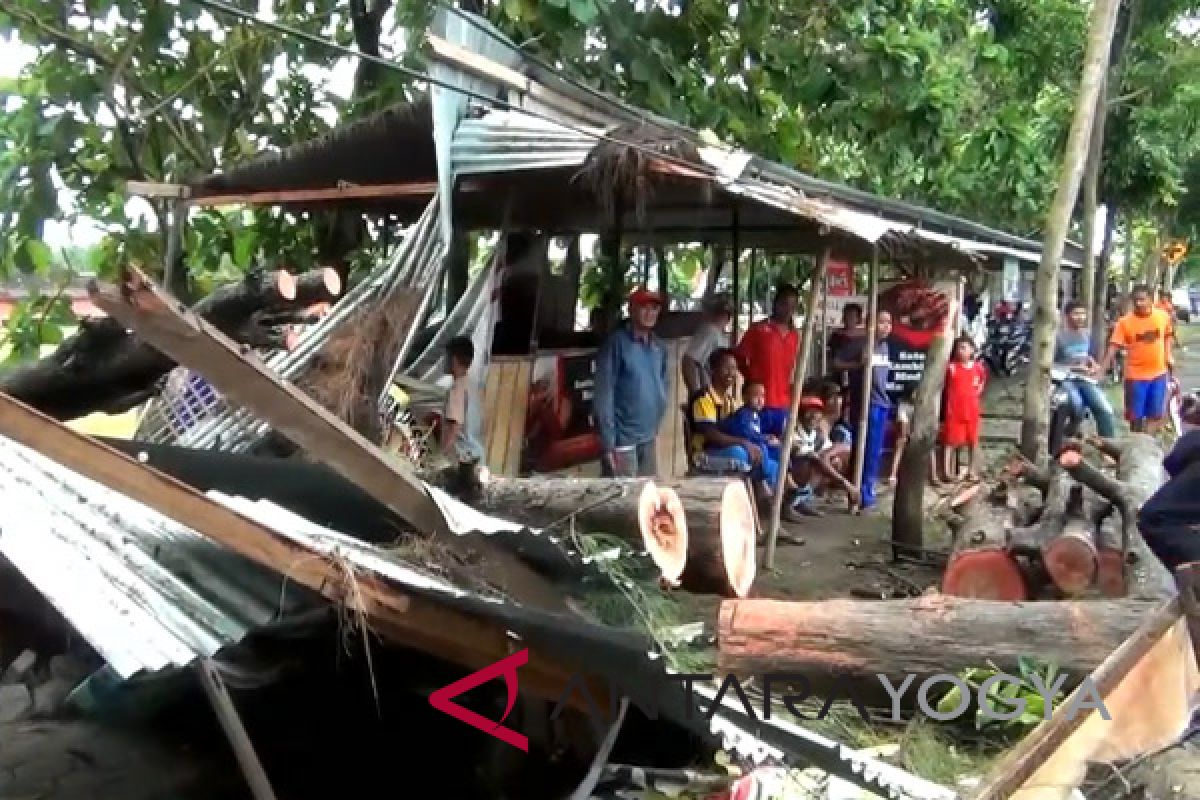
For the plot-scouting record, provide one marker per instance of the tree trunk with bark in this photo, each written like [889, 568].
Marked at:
[925, 635]
[1077, 536]
[1091, 200]
[105, 368]
[1098, 313]
[981, 566]
[908, 516]
[1035, 421]
[699, 531]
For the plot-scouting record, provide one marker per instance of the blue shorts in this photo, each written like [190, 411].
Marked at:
[1146, 399]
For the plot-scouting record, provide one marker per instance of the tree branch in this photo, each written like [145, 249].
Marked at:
[107, 61]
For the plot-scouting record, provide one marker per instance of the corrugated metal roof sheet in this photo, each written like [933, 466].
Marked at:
[146, 592]
[137, 587]
[506, 141]
[415, 262]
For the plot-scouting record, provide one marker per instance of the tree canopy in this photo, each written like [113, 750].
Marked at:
[962, 106]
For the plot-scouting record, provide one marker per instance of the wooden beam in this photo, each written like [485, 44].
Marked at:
[490, 70]
[242, 378]
[411, 620]
[285, 196]
[1024, 760]
[193, 342]
[171, 191]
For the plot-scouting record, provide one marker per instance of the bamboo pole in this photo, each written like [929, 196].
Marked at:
[798, 375]
[864, 413]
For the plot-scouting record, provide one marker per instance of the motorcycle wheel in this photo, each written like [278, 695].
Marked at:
[1059, 422]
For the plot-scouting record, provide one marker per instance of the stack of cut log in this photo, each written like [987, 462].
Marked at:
[1068, 530]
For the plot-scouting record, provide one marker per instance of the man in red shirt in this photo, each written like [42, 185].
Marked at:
[767, 355]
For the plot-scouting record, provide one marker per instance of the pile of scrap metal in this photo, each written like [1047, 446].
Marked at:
[176, 581]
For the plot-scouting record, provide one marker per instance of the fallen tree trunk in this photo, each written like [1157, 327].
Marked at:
[1060, 537]
[981, 566]
[699, 531]
[105, 368]
[1140, 473]
[925, 635]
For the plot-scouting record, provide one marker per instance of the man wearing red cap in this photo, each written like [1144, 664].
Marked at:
[631, 390]
[767, 355]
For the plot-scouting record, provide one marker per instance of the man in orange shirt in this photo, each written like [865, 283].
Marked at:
[1146, 334]
[767, 355]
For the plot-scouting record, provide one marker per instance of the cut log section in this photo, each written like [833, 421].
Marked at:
[723, 565]
[700, 532]
[1059, 537]
[925, 635]
[981, 566]
[1071, 559]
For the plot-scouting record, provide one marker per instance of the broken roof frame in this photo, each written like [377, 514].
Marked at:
[402, 602]
[543, 124]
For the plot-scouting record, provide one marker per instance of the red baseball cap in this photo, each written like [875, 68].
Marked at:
[812, 402]
[642, 296]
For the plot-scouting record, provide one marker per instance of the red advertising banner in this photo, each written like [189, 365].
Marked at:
[839, 277]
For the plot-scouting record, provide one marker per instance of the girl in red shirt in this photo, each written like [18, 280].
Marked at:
[962, 407]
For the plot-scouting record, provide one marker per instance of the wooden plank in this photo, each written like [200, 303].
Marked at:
[243, 379]
[329, 193]
[494, 71]
[504, 393]
[490, 428]
[411, 620]
[1022, 761]
[516, 428]
[681, 398]
[173, 191]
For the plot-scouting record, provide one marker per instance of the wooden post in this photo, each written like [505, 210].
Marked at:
[750, 280]
[175, 277]
[737, 274]
[864, 413]
[798, 376]
[824, 321]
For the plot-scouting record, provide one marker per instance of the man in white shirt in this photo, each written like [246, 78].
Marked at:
[718, 312]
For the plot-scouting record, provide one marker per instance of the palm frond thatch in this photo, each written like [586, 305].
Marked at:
[618, 169]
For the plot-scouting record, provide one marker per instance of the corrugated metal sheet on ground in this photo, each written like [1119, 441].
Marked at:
[116, 570]
[146, 592]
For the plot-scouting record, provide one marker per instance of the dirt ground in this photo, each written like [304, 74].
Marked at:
[842, 556]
